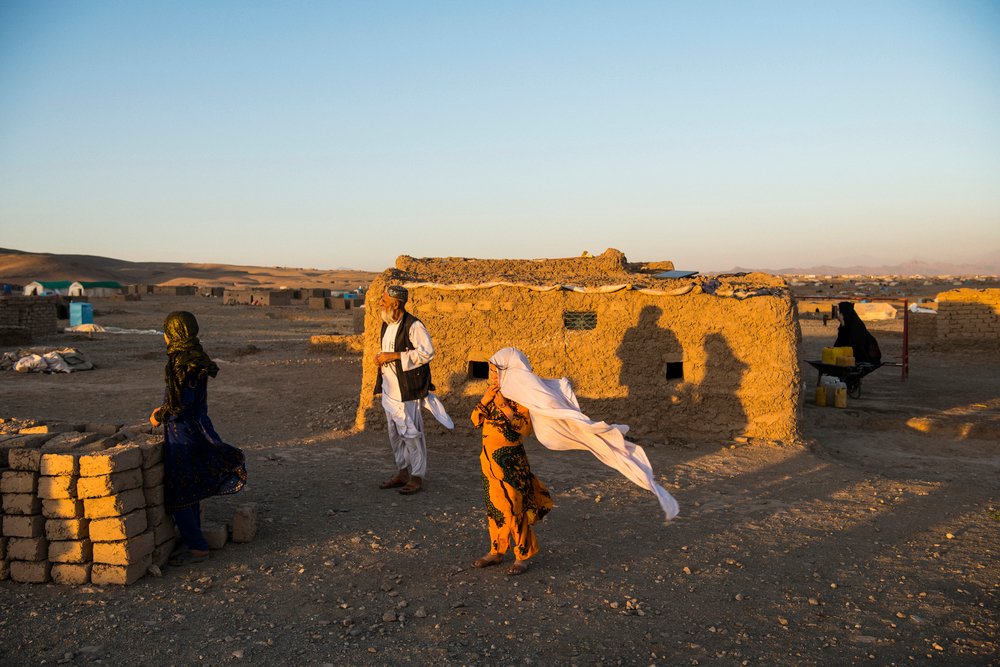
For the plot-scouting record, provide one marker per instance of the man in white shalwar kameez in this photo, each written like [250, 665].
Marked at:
[405, 384]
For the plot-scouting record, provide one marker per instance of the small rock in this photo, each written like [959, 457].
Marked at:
[389, 617]
[154, 570]
[238, 654]
[782, 620]
[813, 601]
[420, 612]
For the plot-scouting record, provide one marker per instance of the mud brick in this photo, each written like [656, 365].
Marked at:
[120, 575]
[108, 485]
[27, 548]
[45, 429]
[21, 503]
[32, 525]
[71, 574]
[152, 453]
[152, 476]
[155, 514]
[20, 442]
[138, 428]
[102, 429]
[70, 551]
[60, 487]
[65, 442]
[109, 441]
[60, 464]
[164, 532]
[30, 572]
[116, 459]
[161, 554]
[215, 534]
[18, 481]
[62, 508]
[124, 552]
[119, 527]
[25, 459]
[117, 505]
[3, 548]
[154, 495]
[4, 570]
[245, 523]
[67, 529]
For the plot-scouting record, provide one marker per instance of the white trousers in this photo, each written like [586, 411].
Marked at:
[406, 435]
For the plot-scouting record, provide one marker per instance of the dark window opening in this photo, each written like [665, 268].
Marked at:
[581, 320]
[675, 370]
[479, 370]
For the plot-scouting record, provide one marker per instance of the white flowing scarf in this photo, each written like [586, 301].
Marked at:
[559, 424]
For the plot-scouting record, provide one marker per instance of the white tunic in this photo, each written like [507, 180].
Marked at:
[422, 354]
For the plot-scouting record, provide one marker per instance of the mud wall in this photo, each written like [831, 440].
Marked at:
[36, 314]
[969, 315]
[736, 359]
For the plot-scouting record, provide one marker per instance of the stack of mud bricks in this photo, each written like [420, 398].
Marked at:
[79, 507]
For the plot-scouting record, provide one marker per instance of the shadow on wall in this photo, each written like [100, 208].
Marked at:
[670, 391]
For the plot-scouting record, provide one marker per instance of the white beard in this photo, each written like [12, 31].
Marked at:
[387, 316]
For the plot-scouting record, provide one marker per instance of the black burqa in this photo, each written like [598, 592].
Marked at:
[854, 334]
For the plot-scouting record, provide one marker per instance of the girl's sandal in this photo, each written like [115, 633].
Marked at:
[519, 567]
[188, 558]
[487, 561]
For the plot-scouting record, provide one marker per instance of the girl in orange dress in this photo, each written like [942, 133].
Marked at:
[515, 499]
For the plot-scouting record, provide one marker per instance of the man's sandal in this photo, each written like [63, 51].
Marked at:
[487, 561]
[410, 488]
[519, 567]
[392, 482]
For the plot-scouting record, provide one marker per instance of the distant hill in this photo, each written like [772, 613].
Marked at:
[986, 265]
[20, 267]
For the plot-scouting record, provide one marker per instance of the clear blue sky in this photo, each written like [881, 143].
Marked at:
[341, 134]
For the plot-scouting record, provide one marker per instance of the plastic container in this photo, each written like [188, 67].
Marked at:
[80, 313]
[821, 396]
[840, 396]
[830, 354]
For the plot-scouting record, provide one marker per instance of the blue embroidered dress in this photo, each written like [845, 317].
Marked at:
[197, 463]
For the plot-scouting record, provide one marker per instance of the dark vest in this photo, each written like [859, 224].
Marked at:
[415, 384]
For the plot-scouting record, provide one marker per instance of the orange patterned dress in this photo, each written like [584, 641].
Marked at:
[515, 499]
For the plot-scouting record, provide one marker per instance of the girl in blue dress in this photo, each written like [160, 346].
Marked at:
[197, 464]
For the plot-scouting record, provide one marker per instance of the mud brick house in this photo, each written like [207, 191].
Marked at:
[709, 356]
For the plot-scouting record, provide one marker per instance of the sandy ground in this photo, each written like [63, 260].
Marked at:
[873, 542]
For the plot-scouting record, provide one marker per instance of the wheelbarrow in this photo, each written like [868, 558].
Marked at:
[851, 375]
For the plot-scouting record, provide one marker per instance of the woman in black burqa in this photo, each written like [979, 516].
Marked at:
[197, 463]
[854, 334]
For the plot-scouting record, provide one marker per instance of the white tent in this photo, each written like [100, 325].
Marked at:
[103, 288]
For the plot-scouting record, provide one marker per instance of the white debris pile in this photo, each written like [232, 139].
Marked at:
[45, 360]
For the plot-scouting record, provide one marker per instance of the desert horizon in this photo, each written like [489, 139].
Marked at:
[19, 267]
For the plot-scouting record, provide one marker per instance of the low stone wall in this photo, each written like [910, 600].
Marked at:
[37, 314]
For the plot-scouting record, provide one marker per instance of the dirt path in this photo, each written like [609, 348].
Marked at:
[833, 552]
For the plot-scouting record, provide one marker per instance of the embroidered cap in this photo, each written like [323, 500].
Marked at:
[398, 292]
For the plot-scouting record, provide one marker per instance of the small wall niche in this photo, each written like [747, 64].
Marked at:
[674, 371]
[479, 370]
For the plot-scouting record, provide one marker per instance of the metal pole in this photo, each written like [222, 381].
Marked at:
[906, 339]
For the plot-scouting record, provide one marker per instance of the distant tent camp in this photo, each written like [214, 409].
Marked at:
[98, 288]
[43, 287]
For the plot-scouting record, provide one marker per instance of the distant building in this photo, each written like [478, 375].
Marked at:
[47, 287]
[98, 288]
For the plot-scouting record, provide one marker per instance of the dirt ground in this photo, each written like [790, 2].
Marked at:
[874, 541]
